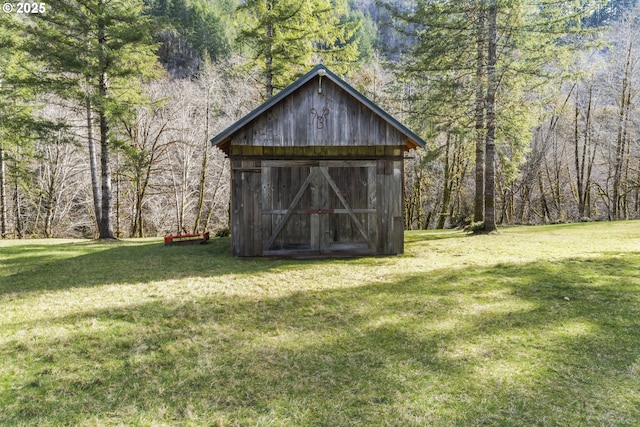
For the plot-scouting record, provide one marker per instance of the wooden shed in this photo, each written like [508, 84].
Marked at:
[317, 170]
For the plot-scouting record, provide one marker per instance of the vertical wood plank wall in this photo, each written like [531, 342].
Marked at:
[246, 208]
[307, 118]
[251, 192]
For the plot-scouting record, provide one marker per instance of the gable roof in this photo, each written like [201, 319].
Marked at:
[223, 138]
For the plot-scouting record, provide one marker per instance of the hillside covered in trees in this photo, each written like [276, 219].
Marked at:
[531, 109]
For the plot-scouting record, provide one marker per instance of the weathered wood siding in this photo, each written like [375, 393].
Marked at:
[307, 118]
[317, 207]
[390, 212]
[246, 208]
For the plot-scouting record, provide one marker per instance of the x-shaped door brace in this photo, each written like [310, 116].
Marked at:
[325, 172]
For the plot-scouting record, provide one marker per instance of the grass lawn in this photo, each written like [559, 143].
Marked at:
[534, 326]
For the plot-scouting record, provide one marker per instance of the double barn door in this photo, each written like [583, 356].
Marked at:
[319, 207]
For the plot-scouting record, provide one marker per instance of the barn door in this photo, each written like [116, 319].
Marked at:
[319, 208]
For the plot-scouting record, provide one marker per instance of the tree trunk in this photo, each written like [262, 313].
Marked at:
[268, 61]
[3, 196]
[576, 157]
[180, 191]
[184, 190]
[117, 208]
[176, 200]
[546, 215]
[93, 164]
[621, 137]
[17, 205]
[49, 202]
[627, 164]
[203, 172]
[137, 227]
[142, 178]
[105, 226]
[637, 190]
[418, 197]
[478, 202]
[213, 197]
[489, 191]
[584, 158]
[446, 187]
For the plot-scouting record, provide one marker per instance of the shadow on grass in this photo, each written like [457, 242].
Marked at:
[498, 346]
[36, 267]
[430, 235]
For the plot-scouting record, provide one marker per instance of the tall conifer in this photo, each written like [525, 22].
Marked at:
[286, 37]
[489, 52]
[95, 52]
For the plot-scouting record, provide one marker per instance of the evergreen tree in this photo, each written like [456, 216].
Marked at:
[18, 122]
[608, 12]
[193, 30]
[11, 111]
[286, 37]
[366, 36]
[482, 48]
[96, 52]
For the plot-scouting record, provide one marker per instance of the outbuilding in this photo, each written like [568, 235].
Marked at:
[317, 170]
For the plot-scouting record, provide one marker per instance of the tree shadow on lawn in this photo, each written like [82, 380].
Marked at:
[499, 346]
[431, 235]
[35, 267]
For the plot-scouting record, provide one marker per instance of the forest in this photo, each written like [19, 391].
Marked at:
[530, 109]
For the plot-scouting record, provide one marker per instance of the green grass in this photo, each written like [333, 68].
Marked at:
[532, 326]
